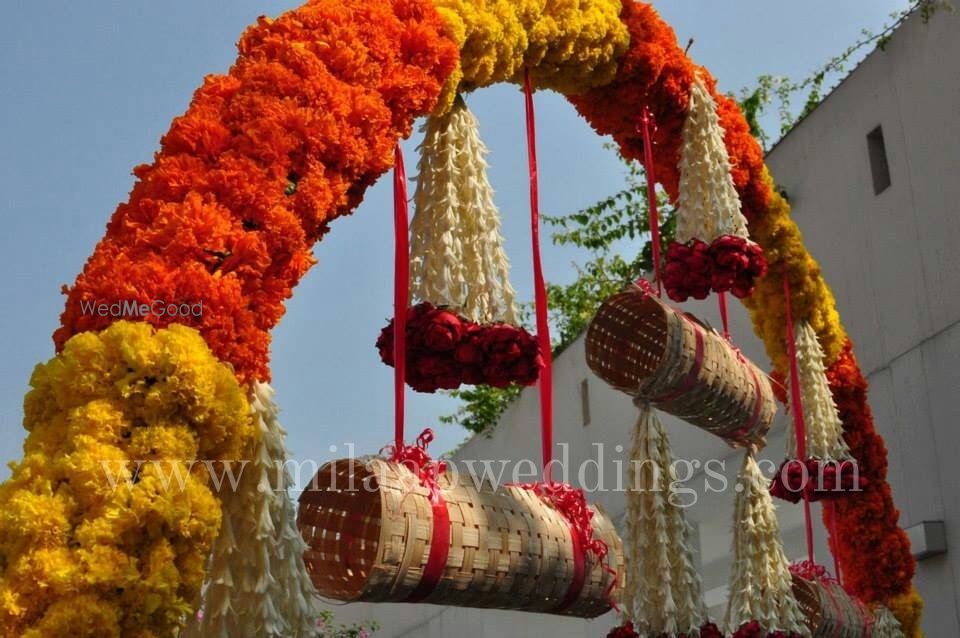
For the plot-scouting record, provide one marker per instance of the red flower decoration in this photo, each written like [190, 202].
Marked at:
[817, 478]
[445, 351]
[688, 271]
[753, 629]
[625, 630]
[737, 263]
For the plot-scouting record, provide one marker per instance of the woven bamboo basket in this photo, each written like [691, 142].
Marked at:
[369, 524]
[829, 611]
[651, 351]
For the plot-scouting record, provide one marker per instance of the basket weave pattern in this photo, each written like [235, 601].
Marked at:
[369, 525]
[829, 611]
[651, 351]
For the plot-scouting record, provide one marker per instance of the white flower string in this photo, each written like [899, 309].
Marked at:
[258, 585]
[886, 624]
[708, 204]
[663, 592]
[456, 246]
[761, 587]
[823, 428]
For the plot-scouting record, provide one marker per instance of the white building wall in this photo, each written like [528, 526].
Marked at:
[893, 261]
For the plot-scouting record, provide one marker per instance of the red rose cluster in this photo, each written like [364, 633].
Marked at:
[696, 268]
[445, 350]
[627, 630]
[816, 478]
[753, 629]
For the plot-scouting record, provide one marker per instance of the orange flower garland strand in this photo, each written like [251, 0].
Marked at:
[264, 158]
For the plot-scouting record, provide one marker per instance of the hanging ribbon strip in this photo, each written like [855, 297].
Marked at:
[646, 124]
[414, 457]
[796, 410]
[722, 300]
[401, 285]
[570, 502]
[539, 291]
[428, 471]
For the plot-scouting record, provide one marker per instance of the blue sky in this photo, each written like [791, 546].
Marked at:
[89, 88]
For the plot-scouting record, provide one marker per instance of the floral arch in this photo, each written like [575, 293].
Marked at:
[245, 182]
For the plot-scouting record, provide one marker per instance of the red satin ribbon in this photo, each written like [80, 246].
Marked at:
[539, 291]
[414, 457]
[428, 471]
[571, 503]
[690, 379]
[722, 299]
[796, 410]
[832, 528]
[646, 124]
[401, 291]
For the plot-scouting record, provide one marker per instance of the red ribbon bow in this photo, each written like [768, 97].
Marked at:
[572, 504]
[416, 459]
[809, 570]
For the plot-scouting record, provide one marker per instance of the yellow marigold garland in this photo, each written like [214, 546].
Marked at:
[105, 524]
[569, 45]
[812, 299]
[907, 609]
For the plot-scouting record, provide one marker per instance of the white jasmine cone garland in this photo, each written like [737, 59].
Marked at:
[257, 584]
[663, 593]
[761, 591]
[828, 469]
[456, 247]
[886, 624]
[712, 249]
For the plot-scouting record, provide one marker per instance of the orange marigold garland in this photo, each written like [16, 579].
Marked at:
[264, 158]
[867, 539]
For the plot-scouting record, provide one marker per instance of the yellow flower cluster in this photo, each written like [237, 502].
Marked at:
[106, 523]
[907, 609]
[568, 45]
[811, 298]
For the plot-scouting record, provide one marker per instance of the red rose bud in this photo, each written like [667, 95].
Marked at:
[468, 353]
[623, 631]
[444, 351]
[443, 332]
[688, 270]
[710, 630]
[385, 344]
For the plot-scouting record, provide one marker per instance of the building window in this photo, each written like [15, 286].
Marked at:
[878, 160]
[585, 402]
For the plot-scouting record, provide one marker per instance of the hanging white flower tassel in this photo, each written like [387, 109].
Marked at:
[760, 585]
[885, 624]
[662, 591]
[824, 430]
[712, 249]
[258, 585]
[456, 246]
[827, 469]
[708, 205]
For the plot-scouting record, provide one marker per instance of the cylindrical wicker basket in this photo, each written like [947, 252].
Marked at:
[829, 611]
[368, 525]
[649, 350]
